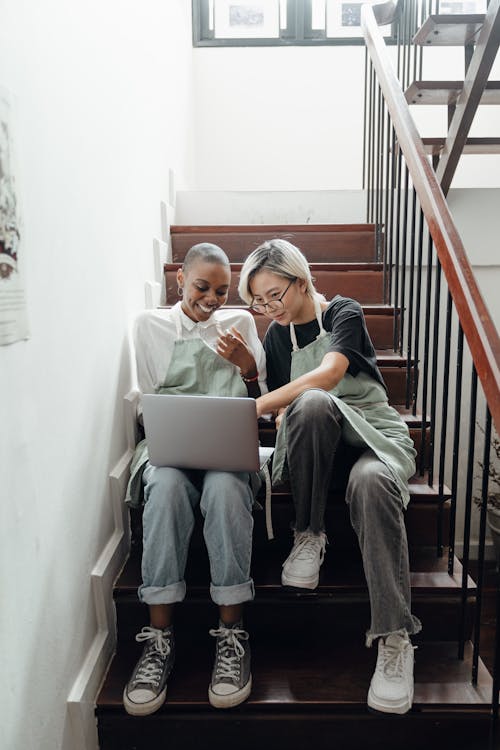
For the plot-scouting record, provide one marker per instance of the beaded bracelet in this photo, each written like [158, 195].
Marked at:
[253, 379]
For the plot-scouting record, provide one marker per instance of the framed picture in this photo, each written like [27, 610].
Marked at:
[249, 19]
[343, 18]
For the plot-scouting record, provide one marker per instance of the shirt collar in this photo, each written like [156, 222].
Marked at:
[189, 324]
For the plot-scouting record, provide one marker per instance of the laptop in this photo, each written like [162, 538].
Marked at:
[203, 432]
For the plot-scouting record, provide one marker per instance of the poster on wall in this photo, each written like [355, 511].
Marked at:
[13, 318]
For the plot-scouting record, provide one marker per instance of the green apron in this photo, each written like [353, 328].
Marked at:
[195, 369]
[368, 419]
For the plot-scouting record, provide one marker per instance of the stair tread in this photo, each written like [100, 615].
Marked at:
[333, 266]
[338, 576]
[472, 146]
[250, 228]
[323, 673]
[448, 29]
[447, 92]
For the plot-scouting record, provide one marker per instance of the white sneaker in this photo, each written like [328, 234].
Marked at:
[301, 568]
[391, 688]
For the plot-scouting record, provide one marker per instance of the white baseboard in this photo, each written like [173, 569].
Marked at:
[81, 700]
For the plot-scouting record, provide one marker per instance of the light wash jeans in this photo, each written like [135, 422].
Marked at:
[313, 425]
[170, 497]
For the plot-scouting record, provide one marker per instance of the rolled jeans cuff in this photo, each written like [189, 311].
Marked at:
[226, 596]
[174, 592]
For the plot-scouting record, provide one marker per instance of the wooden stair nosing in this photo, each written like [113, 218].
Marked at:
[251, 228]
[338, 576]
[449, 29]
[333, 266]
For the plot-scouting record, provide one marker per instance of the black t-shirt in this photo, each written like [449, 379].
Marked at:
[345, 322]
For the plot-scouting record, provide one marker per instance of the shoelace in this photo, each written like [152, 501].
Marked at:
[151, 668]
[306, 546]
[392, 661]
[229, 651]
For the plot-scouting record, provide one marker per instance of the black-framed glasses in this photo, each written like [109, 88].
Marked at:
[273, 305]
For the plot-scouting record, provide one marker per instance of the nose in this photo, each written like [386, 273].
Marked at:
[211, 297]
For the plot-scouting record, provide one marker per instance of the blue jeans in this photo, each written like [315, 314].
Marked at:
[170, 497]
[314, 426]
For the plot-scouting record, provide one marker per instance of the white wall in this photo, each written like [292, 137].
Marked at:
[279, 118]
[291, 118]
[104, 109]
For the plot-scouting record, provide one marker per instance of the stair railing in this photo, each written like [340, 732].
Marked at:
[442, 324]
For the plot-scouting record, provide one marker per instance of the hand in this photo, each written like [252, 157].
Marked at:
[279, 418]
[232, 346]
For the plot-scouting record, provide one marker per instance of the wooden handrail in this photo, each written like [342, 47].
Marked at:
[479, 329]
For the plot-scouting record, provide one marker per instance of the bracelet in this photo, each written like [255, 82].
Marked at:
[253, 379]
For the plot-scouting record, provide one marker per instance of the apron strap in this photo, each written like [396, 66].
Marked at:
[319, 318]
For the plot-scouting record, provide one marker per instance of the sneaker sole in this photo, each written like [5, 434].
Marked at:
[299, 583]
[231, 700]
[144, 709]
[390, 707]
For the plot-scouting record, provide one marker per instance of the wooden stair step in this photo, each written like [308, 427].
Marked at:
[379, 322]
[363, 281]
[302, 688]
[435, 146]
[429, 575]
[339, 605]
[317, 241]
[449, 29]
[447, 92]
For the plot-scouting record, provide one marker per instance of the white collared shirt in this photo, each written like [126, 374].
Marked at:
[155, 334]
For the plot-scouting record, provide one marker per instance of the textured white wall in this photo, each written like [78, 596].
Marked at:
[104, 109]
[291, 118]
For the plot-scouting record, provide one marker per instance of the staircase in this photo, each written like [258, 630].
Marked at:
[310, 667]
[479, 35]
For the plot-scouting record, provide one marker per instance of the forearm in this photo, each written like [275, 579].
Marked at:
[326, 376]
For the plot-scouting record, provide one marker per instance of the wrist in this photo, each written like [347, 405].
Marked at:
[251, 376]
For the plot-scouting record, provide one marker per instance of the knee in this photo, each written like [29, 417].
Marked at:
[313, 407]
[226, 494]
[165, 490]
[372, 488]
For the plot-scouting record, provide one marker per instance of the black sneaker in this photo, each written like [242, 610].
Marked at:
[231, 679]
[147, 688]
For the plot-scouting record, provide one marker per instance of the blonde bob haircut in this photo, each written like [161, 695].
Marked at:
[279, 257]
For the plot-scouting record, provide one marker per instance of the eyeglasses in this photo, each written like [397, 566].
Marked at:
[274, 305]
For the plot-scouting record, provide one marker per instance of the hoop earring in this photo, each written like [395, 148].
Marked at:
[180, 290]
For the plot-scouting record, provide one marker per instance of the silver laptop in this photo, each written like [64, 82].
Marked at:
[203, 432]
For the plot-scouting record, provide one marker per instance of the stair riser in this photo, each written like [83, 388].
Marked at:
[364, 286]
[192, 731]
[342, 616]
[317, 246]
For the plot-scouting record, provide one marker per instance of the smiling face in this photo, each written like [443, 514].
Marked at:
[205, 288]
[296, 305]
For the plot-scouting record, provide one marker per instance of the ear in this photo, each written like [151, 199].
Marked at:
[302, 284]
[180, 277]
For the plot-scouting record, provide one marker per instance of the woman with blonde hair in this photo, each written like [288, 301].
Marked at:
[325, 387]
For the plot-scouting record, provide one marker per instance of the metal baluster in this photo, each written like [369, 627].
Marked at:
[416, 347]
[444, 424]
[385, 222]
[365, 118]
[456, 447]
[409, 369]
[425, 374]
[435, 343]
[482, 537]
[468, 511]
[396, 254]
[404, 243]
